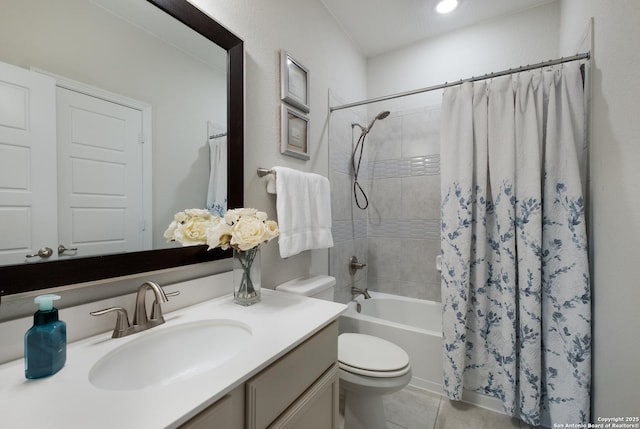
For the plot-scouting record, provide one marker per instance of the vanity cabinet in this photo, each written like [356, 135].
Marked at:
[299, 391]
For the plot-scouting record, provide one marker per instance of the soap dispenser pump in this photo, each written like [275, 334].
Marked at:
[45, 343]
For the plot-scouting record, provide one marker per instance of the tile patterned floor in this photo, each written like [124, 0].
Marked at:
[413, 408]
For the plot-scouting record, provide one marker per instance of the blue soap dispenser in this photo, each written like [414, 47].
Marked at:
[45, 344]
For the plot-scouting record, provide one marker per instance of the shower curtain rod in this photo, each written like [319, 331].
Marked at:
[583, 56]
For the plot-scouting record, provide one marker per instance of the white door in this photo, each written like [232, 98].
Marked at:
[100, 177]
[27, 175]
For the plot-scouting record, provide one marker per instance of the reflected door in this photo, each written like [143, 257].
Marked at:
[27, 173]
[100, 177]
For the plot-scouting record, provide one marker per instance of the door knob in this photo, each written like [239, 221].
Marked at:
[45, 252]
[62, 249]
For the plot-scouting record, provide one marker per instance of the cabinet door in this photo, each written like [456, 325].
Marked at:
[28, 192]
[272, 391]
[317, 408]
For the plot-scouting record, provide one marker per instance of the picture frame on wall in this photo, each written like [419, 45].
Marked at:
[294, 133]
[294, 82]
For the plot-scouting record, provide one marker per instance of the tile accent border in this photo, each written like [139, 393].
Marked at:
[428, 165]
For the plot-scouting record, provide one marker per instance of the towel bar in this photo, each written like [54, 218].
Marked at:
[265, 171]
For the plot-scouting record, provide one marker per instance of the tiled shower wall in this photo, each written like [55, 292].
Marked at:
[403, 226]
[398, 236]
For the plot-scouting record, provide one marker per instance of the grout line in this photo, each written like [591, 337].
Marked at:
[435, 422]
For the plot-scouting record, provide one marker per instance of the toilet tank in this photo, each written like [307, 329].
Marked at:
[320, 287]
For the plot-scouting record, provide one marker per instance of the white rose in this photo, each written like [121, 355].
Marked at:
[199, 213]
[271, 230]
[232, 216]
[219, 234]
[170, 233]
[180, 217]
[261, 216]
[247, 233]
[193, 232]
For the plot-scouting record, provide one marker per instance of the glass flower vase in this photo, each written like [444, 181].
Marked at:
[246, 276]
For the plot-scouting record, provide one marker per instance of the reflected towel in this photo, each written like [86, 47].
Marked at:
[217, 193]
[303, 205]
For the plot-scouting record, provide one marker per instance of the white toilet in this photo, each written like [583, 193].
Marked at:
[369, 366]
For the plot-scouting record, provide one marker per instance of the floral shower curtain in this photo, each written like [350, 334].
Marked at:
[515, 278]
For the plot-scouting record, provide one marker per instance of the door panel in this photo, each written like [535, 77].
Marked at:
[27, 175]
[100, 177]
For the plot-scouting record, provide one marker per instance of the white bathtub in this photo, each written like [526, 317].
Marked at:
[413, 324]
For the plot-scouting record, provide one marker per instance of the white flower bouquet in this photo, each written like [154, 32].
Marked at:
[242, 229]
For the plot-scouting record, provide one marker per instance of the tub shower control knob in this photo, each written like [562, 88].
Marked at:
[354, 265]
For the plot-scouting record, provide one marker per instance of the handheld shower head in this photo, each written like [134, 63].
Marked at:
[356, 167]
[383, 114]
[365, 130]
[380, 115]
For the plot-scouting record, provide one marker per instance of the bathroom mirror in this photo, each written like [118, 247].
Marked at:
[192, 34]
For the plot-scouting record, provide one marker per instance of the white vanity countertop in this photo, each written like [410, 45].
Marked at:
[67, 399]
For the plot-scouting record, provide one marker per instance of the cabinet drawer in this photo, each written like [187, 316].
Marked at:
[277, 387]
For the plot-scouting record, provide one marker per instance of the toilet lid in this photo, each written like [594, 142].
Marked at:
[371, 356]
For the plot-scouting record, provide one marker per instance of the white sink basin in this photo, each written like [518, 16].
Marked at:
[170, 355]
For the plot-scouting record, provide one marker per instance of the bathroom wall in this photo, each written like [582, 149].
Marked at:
[615, 184]
[306, 30]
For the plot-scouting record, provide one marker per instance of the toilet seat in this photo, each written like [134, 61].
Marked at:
[371, 356]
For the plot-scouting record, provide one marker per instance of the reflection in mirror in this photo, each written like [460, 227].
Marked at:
[124, 68]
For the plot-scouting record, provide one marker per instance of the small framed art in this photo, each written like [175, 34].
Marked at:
[294, 138]
[294, 82]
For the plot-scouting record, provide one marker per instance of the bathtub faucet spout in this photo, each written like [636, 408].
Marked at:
[355, 292]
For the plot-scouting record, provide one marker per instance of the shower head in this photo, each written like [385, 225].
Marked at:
[383, 114]
[380, 115]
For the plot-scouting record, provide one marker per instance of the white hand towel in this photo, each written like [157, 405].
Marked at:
[303, 204]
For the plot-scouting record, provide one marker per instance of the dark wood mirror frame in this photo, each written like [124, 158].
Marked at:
[42, 275]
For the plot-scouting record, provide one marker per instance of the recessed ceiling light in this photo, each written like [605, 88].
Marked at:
[446, 6]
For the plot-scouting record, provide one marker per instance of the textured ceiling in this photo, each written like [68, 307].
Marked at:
[379, 26]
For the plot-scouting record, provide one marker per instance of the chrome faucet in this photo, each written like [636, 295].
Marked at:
[140, 315]
[141, 321]
[355, 292]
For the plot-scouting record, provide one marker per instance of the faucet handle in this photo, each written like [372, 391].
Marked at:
[156, 310]
[122, 322]
[354, 265]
